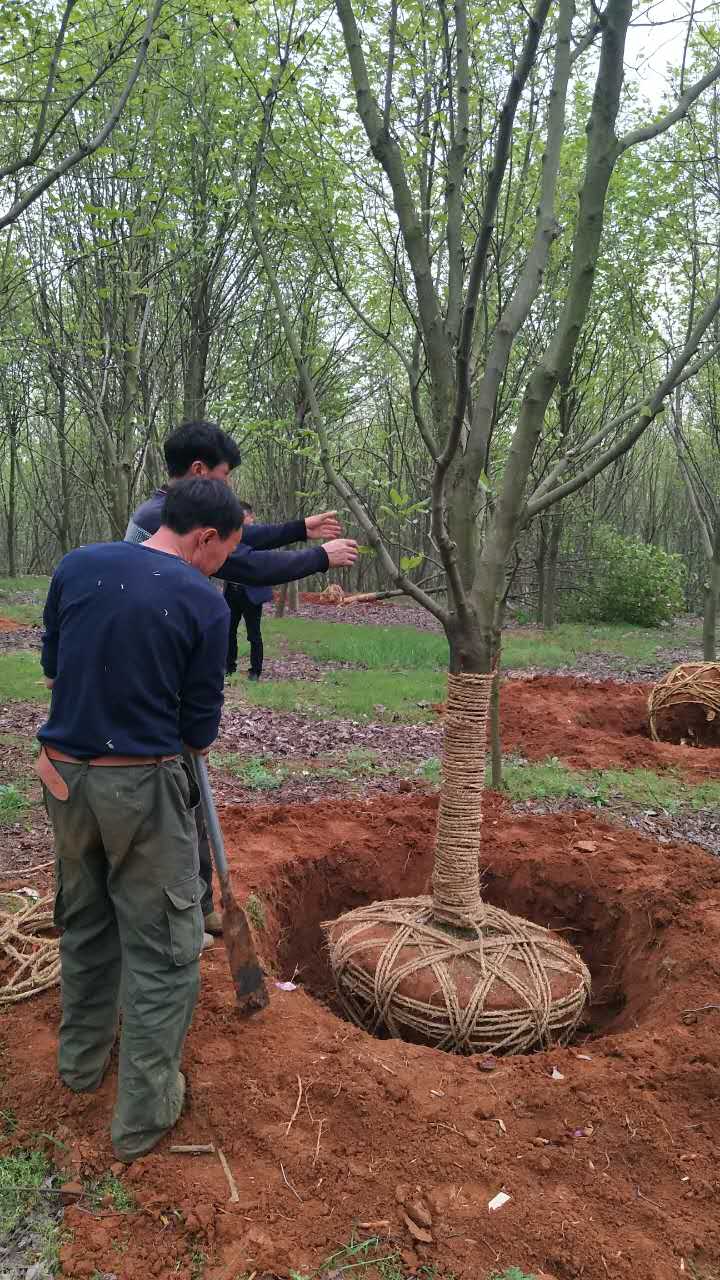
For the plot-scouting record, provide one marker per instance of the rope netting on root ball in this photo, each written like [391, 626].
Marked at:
[684, 707]
[29, 959]
[450, 970]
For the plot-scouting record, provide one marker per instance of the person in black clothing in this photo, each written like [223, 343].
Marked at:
[202, 449]
[246, 603]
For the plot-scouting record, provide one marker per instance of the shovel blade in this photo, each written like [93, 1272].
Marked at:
[247, 975]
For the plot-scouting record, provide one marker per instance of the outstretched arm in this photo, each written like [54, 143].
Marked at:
[319, 528]
[271, 568]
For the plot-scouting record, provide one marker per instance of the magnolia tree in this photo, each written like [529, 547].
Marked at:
[468, 208]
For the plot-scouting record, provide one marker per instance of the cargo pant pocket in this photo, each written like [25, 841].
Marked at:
[185, 920]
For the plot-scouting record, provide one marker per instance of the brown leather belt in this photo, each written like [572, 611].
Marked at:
[57, 785]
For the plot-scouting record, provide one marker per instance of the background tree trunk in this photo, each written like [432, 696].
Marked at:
[712, 597]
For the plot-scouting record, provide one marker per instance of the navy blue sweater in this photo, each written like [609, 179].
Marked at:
[135, 640]
[250, 565]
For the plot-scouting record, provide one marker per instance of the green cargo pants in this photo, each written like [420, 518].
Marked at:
[128, 900]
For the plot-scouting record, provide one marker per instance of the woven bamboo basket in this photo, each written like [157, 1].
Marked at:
[684, 707]
[450, 970]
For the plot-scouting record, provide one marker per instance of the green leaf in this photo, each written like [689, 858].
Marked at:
[407, 563]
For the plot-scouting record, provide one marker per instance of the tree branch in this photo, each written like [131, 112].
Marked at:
[85, 149]
[647, 414]
[666, 122]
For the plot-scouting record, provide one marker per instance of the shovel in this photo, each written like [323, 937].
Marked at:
[247, 976]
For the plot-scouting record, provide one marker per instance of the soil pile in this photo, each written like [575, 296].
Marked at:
[607, 1148]
[591, 726]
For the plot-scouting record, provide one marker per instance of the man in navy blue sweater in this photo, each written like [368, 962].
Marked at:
[134, 650]
[202, 449]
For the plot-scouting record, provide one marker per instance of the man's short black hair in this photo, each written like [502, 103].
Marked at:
[246, 508]
[202, 503]
[199, 442]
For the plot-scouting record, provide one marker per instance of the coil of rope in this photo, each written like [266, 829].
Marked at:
[29, 959]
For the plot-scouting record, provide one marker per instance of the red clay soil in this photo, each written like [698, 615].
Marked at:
[612, 1168]
[9, 624]
[592, 725]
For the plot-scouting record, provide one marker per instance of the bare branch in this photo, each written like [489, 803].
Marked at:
[647, 414]
[666, 122]
[87, 148]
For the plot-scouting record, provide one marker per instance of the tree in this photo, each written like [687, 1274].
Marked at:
[466, 345]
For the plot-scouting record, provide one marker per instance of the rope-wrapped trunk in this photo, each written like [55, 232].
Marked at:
[456, 874]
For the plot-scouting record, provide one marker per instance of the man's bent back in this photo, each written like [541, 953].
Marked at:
[134, 647]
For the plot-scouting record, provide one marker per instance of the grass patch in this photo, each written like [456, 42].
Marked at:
[403, 648]
[512, 1273]
[263, 773]
[113, 1190]
[389, 695]
[259, 773]
[13, 804]
[22, 599]
[19, 1174]
[21, 678]
[373, 1259]
[639, 788]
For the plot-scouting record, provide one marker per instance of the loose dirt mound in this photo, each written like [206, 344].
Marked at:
[9, 624]
[610, 1162]
[591, 726]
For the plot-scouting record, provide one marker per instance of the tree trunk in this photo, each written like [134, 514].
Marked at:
[12, 502]
[194, 392]
[63, 523]
[540, 571]
[456, 871]
[553, 551]
[712, 597]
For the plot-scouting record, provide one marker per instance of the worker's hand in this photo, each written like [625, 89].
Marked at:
[326, 525]
[341, 552]
[48, 682]
[197, 751]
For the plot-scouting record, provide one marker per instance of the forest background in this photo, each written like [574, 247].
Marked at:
[445, 267]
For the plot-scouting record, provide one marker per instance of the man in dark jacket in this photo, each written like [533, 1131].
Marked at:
[134, 650]
[202, 449]
[246, 603]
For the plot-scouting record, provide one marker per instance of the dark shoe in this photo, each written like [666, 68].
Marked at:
[231, 671]
[253, 675]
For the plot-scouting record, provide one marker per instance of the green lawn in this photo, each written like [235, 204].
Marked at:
[403, 648]
[384, 695]
[13, 604]
[637, 788]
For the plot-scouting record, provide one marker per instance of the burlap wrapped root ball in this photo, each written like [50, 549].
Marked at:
[510, 988]
[684, 707]
[451, 971]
